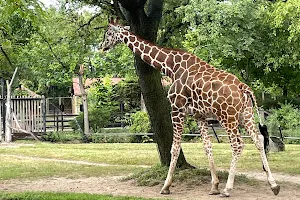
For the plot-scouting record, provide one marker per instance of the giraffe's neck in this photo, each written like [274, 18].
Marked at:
[165, 60]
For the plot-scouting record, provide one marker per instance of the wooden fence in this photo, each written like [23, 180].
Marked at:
[29, 112]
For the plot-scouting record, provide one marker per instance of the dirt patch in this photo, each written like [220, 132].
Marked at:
[115, 186]
[13, 145]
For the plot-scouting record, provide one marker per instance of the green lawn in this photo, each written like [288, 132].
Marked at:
[61, 196]
[128, 157]
[123, 159]
[146, 154]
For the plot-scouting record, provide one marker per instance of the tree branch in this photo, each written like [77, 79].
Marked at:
[6, 56]
[50, 47]
[118, 9]
[20, 129]
[88, 23]
[13, 77]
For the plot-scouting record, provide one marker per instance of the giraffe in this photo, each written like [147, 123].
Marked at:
[199, 89]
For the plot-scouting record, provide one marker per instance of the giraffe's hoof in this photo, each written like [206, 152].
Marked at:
[276, 189]
[165, 191]
[214, 192]
[224, 194]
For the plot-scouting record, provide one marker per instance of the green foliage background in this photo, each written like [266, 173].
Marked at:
[256, 40]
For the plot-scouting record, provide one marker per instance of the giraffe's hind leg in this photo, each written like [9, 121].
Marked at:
[237, 146]
[203, 126]
[258, 140]
[177, 120]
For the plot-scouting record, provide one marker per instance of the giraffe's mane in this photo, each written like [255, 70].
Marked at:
[154, 44]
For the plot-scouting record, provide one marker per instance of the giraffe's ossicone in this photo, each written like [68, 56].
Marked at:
[200, 90]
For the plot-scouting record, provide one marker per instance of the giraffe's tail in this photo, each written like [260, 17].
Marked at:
[248, 91]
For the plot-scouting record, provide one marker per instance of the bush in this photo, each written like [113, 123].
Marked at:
[287, 117]
[292, 133]
[190, 126]
[140, 122]
[98, 119]
[62, 136]
[110, 138]
[129, 93]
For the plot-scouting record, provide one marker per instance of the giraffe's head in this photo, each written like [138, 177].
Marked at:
[112, 35]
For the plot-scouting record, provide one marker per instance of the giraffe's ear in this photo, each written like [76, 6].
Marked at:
[127, 27]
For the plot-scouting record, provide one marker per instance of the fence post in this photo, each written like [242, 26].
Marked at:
[1, 127]
[215, 133]
[280, 131]
[44, 113]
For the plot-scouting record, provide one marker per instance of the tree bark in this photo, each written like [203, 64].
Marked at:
[158, 107]
[8, 137]
[8, 118]
[84, 102]
[284, 91]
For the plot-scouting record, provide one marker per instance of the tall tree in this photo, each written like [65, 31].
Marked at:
[65, 40]
[257, 40]
[143, 18]
[282, 56]
[18, 22]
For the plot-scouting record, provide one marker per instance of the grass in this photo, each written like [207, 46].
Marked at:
[157, 174]
[111, 153]
[61, 196]
[16, 168]
[128, 157]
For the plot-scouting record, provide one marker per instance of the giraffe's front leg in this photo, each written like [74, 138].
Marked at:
[237, 146]
[177, 120]
[203, 126]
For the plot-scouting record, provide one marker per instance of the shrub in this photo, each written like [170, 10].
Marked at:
[110, 138]
[62, 136]
[129, 93]
[287, 116]
[140, 122]
[190, 126]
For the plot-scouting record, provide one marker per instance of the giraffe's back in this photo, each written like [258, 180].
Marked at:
[211, 90]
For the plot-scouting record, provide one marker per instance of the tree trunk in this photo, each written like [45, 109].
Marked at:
[8, 137]
[158, 107]
[8, 118]
[143, 106]
[84, 102]
[285, 91]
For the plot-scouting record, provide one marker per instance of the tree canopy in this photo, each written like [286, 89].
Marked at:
[18, 22]
[256, 40]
